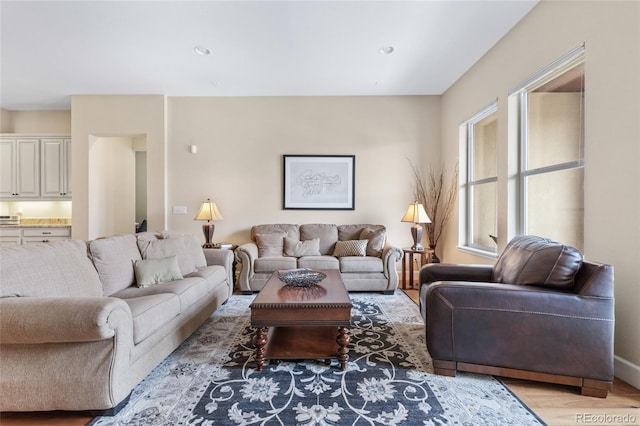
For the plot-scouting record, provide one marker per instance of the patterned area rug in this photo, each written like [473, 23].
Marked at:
[211, 379]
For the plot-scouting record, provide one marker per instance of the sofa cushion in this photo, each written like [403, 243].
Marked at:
[318, 262]
[154, 271]
[150, 313]
[185, 247]
[326, 233]
[375, 240]
[291, 230]
[532, 260]
[56, 269]
[113, 258]
[270, 264]
[270, 245]
[297, 248]
[350, 248]
[361, 264]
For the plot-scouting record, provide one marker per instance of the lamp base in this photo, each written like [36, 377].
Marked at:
[208, 229]
[416, 233]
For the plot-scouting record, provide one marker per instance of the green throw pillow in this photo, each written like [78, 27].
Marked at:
[154, 271]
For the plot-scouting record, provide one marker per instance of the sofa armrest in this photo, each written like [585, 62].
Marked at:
[432, 272]
[35, 320]
[390, 256]
[520, 327]
[222, 258]
[246, 254]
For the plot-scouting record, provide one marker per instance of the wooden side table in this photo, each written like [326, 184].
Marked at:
[407, 261]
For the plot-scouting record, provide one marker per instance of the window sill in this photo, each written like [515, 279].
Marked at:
[477, 252]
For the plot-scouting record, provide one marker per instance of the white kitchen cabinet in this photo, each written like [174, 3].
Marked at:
[55, 172]
[45, 235]
[19, 168]
[10, 237]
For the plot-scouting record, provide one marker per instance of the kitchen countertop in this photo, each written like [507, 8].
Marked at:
[40, 225]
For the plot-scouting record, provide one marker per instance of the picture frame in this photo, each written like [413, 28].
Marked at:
[318, 182]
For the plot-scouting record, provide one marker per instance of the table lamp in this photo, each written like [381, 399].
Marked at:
[416, 214]
[208, 211]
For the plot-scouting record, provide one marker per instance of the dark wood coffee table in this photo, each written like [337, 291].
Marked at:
[302, 322]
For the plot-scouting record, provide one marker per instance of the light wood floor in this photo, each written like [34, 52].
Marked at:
[556, 405]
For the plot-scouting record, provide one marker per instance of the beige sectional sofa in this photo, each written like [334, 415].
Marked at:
[77, 333]
[367, 262]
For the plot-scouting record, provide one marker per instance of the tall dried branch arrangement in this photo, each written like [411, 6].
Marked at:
[437, 198]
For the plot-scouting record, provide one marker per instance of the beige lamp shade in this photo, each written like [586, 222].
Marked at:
[416, 214]
[208, 211]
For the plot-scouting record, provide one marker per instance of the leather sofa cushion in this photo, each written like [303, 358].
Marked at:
[318, 262]
[532, 260]
[270, 264]
[361, 264]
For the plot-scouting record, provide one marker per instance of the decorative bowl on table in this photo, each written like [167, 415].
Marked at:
[301, 277]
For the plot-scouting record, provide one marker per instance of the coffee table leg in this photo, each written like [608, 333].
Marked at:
[343, 340]
[259, 341]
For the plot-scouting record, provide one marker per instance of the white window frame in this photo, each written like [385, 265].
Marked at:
[520, 94]
[466, 193]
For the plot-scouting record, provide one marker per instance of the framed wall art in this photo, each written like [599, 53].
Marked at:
[319, 182]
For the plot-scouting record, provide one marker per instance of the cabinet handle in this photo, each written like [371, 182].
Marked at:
[45, 241]
[46, 233]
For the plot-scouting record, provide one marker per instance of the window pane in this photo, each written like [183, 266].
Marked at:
[485, 134]
[555, 128]
[555, 206]
[484, 214]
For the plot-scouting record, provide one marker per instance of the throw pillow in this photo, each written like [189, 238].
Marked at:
[295, 248]
[270, 245]
[350, 248]
[531, 260]
[154, 249]
[155, 271]
[376, 239]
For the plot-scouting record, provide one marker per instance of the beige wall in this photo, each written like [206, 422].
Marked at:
[35, 122]
[611, 33]
[241, 142]
[109, 116]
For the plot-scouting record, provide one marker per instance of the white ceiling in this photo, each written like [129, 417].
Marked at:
[51, 50]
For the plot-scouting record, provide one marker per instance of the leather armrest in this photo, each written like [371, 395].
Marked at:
[432, 272]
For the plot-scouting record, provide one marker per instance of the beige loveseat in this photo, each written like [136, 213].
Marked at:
[77, 333]
[367, 262]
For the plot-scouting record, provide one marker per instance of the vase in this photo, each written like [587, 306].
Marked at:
[434, 257]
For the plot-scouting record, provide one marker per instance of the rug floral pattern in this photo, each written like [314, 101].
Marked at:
[211, 379]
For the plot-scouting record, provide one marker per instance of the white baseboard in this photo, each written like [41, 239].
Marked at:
[626, 371]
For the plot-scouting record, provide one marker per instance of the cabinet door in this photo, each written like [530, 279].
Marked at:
[28, 168]
[52, 167]
[7, 168]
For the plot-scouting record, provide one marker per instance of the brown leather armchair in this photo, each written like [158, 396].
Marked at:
[541, 313]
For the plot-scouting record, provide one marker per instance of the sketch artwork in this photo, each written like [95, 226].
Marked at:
[318, 182]
[315, 183]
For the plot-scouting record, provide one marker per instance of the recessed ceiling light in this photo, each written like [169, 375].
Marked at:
[386, 50]
[201, 50]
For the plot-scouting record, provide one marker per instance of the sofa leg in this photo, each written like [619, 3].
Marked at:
[595, 388]
[388, 292]
[246, 293]
[444, 368]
